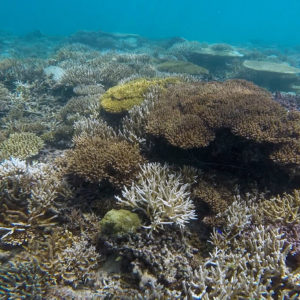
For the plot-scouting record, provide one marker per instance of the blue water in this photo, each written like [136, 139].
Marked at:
[233, 21]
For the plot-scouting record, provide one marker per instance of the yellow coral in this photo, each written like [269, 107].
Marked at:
[122, 98]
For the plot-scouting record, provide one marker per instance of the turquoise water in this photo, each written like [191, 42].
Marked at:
[230, 21]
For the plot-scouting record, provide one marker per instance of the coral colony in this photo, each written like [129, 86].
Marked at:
[148, 169]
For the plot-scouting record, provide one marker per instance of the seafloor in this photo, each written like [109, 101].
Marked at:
[148, 169]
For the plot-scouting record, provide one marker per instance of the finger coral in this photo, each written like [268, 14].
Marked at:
[21, 145]
[161, 195]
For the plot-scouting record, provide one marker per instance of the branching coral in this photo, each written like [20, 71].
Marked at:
[23, 281]
[27, 199]
[161, 195]
[283, 209]
[247, 261]
[97, 158]
[21, 145]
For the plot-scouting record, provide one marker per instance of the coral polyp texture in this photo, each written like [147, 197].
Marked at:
[190, 115]
[122, 98]
[21, 145]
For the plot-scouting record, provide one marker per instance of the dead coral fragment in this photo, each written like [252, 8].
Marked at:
[21, 145]
[161, 195]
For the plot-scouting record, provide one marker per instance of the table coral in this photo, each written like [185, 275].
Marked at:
[190, 115]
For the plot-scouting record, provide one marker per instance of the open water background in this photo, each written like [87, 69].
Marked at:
[232, 21]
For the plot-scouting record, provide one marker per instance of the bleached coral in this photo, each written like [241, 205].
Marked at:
[27, 193]
[161, 195]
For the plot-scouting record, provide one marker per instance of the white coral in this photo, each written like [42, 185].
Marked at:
[161, 195]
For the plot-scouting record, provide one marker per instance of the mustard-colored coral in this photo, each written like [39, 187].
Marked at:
[122, 98]
[21, 145]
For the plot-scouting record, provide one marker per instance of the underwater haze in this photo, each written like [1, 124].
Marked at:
[232, 21]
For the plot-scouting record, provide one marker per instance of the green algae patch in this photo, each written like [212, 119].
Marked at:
[122, 98]
[119, 221]
[182, 67]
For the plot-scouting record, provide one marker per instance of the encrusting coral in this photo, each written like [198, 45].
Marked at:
[161, 195]
[21, 145]
[123, 97]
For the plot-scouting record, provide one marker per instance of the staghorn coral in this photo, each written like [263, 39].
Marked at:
[161, 195]
[78, 261]
[247, 260]
[21, 145]
[283, 209]
[122, 98]
[78, 107]
[133, 125]
[190, 115]
[161, 259]
[5, 98]
[95, 159]
[92, 89]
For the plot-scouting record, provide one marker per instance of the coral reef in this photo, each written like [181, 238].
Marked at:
[119, 222]
[190, 116]
[99, 158]
[122, 98]
[118, 181]
[21, 145]
[161, 195]
[178, 66]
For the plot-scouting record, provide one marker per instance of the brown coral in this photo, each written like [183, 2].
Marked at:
[95, 159]
[189, 115]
